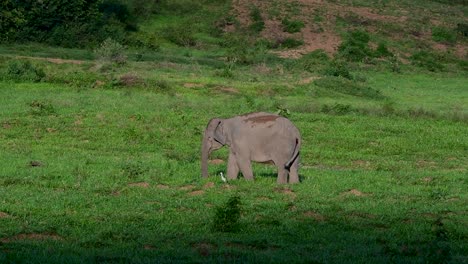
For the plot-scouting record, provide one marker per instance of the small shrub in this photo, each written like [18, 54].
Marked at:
[40, 108]
[338, 68]
[292, 26]
[129, 80]
[24, 71]
[257, 25]
[426, 60]
[226, 218]
[462, 29]
[355, 47]
[145, 41]
[133, 169]
[283, 111]
[181, 35]
[290, 43]
[226, 71]
[111, 51]
[382, 51]
[444, 35]
[314, 60]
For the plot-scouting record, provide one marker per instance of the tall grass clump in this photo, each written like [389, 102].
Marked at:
[18, 70]
[427, 60]
[345, 86]
[226, 218]
[257, 21]
[292, 26]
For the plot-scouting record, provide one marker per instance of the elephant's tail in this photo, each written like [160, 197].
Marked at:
[295, 154]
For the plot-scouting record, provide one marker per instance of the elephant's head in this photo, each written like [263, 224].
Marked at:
[213, 139]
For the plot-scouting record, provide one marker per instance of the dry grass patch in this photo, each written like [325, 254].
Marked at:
[139, 184]
[32, 237]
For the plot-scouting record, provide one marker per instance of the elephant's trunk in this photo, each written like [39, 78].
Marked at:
[204, 157]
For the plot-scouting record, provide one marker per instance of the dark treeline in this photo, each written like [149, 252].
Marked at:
[72, 23]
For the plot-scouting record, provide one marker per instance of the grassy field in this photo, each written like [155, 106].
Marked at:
[100, 163]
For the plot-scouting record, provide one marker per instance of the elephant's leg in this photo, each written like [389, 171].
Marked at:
[282, 175]
[293, 172]
[245, 167]
[232, 167]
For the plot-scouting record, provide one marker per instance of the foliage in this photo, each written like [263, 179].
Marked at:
[313, 61]
[382, 51]
[292, 26]
[355, 47]
[11, 19]
[257, 21]
[462, 28]
[111, 51]
[338, 68]
[23, 70]
[41, 108]
[66, 23]
[181, 34]
[427, 60]
[226, 218]
[441, 34]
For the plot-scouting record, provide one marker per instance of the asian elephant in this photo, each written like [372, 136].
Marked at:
[260, 137]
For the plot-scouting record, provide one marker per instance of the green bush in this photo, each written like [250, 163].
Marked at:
[40, 108]
[226, 218]
[382, 51]
[257, 25]
[292, 26]
[345, 86]
[111, 51]
[444, 35]
[427, 60]
[313, 61]
[181, 35]
[338, 68]
[24, 71]
[65, 23]
[462, 28]
[355, 47]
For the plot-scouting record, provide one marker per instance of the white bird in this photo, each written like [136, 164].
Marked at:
[222, 177]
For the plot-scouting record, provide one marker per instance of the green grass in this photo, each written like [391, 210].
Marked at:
[111, 173]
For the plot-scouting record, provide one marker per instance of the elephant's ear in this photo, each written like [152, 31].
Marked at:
[219, 133]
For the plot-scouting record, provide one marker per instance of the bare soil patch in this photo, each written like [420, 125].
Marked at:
[209, 185]
[36, 163]
[149, 247]
[139, 184]
[286, 191]
[162, 186]
[197, 192]
[204, 248]
[314, 215]
[31, 236]
[354, 192]
[216, 161]
[53, 60]
[193, 85]
[4, 215]
[187, 187]
[228, 90]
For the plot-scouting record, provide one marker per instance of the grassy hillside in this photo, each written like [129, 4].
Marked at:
[100, 148]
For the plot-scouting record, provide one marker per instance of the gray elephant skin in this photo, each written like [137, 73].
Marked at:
[260, 137]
